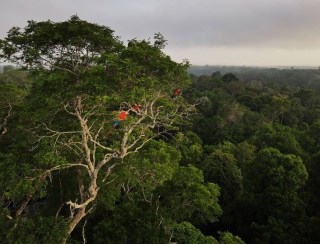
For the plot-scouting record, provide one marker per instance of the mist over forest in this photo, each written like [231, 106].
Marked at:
[292, 76]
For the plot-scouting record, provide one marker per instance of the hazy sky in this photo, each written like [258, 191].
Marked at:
[221, 32]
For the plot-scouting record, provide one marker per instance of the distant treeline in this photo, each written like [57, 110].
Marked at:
[294, 77]
[7, 67]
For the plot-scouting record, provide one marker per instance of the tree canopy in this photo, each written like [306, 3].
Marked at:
[109, 142]
[92, 135]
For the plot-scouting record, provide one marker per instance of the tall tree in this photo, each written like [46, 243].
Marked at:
[93, 102]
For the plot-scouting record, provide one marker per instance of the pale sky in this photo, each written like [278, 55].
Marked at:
[206, 32]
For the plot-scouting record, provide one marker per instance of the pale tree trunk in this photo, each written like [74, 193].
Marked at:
[3, 126]
[89, 142]
[76, 219]
[79, 211]
[74, 222]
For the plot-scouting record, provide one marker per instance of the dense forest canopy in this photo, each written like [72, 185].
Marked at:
[106, 142]
[291, 76]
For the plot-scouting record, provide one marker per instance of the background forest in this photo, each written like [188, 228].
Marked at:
[230, 159]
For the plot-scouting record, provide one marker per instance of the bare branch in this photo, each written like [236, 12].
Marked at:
[83, 205]
[94, 154]
[3, 126]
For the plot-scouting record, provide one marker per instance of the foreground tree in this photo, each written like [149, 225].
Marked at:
[93, 103]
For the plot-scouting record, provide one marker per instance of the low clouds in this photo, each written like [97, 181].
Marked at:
[283, 25]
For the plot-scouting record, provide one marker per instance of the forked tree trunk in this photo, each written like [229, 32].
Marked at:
[74, 222]
[76, 219]
[85, 201]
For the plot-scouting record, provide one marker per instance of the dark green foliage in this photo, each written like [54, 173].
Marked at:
[186, 233]
[260, 142]
[38, 230]
[220, 166]
[229, 77]
[245, 167]
[82, 78]
[187, 197]
[190, 146]
[228, 238]
[49, 39]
